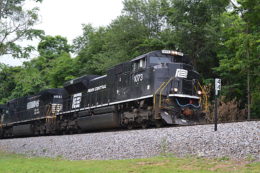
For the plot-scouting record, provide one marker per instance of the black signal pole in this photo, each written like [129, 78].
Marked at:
[217, 89]
[216, 113]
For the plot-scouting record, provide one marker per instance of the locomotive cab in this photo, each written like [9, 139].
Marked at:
[171, 79]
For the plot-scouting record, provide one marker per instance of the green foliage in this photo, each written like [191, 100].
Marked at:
[8, 83]
[141, 28]
[149, 13]
[250, 10]
[16, 24]
[28, 81]
[51, 69]
[105, 47]
[195, 25]
[239, 54]
[51, 47]
[63, 69]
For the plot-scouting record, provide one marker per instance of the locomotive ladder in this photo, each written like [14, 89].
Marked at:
[50, 116]
[157, 98]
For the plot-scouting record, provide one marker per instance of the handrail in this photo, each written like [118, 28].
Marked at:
[162, 89]
[154, 100]
[204, 95]
[154, 105]
[49, 114]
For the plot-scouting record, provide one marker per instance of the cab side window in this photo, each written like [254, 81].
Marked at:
[139, 64]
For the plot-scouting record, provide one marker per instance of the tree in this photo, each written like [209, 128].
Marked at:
[87, 46]
[149, 13]
[54, 63]
[50, 70]
[28, 81]
[239, 55]
[138, 30]
[16, 24]
[51, 47]
[63, 68]
[250, 12]
[8, 83]
[195, 26]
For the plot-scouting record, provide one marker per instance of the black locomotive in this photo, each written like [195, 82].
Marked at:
[157, 88]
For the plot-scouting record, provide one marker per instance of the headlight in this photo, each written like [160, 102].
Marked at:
[199, 92]
[175, 89]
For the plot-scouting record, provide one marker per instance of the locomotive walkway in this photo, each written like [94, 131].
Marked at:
[233, 140]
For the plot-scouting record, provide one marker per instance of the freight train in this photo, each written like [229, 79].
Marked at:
[154, 89]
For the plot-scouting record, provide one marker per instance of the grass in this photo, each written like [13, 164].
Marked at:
[13, 163]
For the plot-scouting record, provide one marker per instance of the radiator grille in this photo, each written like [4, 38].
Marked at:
[187, 87]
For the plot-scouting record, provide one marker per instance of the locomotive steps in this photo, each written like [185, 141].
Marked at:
[234, 140]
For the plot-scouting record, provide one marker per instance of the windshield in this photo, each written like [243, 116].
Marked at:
[159, 60]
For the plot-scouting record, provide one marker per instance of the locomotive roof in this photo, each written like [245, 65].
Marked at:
[41, 93]
[158, 53]
[153, 53]
[22, 99]
[79, 84]
[52, 91]
[80, 79]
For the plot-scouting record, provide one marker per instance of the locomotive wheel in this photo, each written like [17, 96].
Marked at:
[36, 133]
[130, 126]
[71, 132]
[144, 124]
[158, 123]
[79, 131]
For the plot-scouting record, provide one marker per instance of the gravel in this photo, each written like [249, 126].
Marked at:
[234, 140]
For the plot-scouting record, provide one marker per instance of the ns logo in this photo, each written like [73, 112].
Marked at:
[181, 73]
[138, 78]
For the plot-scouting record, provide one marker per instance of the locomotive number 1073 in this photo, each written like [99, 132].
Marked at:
[138, 78]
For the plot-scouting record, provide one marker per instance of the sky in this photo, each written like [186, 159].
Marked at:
[65, 18]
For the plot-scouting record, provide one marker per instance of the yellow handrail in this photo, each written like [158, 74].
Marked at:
[205, 96]
[160, 89]
[160, 100]
[49, 114]
[154, 100]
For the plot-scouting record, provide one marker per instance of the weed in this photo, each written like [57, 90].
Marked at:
[224, 158]
[250, 158]
[164, 146]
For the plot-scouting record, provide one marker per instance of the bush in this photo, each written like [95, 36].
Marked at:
[228, 111]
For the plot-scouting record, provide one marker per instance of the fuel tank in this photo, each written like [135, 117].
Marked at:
[23, 130]
[101, 121]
